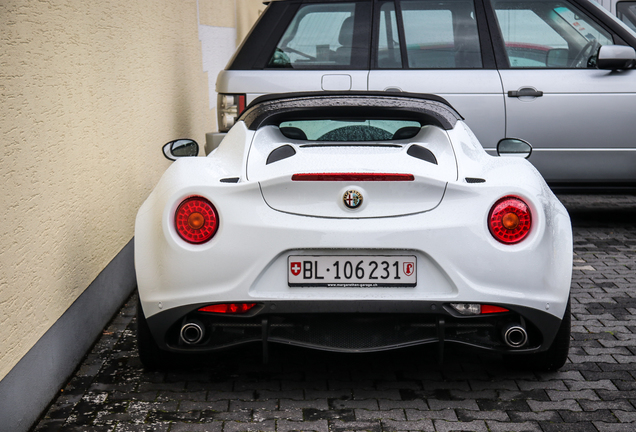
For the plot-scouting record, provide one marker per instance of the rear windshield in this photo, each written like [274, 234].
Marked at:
[350, 130]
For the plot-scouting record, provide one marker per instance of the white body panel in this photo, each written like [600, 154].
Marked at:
[383, 199]
[457, 258]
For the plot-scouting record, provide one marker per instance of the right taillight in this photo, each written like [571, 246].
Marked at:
[510, 220]
[229, 107]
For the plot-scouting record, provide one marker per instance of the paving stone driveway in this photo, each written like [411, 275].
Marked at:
[396, 391]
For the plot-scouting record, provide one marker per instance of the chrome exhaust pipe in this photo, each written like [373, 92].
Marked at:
[514, 335]
[192, 332]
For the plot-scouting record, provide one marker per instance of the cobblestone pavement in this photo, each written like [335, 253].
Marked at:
[395, 391]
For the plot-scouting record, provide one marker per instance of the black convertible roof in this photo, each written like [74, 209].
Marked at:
[272, 109]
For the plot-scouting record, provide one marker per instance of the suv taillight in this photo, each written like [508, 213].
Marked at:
[229, 107]
[510, 220]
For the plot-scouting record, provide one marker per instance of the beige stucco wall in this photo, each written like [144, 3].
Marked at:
[241, 14]
[90, 91]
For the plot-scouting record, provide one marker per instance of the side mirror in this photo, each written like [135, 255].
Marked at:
[557, 58]
[616, 57]
[513, 147]
[180, 148]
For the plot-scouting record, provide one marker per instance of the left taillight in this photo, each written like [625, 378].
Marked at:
[510, 220]
[196, 220]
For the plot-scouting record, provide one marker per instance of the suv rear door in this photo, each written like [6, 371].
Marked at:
[440, 47]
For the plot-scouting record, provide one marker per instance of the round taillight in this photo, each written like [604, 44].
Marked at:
[510, 220]
[196, 220]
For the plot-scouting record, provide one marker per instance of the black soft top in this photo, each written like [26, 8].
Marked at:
[272, 109]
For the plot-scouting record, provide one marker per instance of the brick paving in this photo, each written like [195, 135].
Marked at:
[406, 390]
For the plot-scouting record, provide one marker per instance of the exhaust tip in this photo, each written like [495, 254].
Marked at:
[192, 332]
[515, 336]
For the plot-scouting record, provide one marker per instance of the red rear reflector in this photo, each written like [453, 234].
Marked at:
[353, 177]
[228, 308]
[488, 309]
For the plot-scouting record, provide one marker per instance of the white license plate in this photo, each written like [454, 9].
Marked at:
[358, 271]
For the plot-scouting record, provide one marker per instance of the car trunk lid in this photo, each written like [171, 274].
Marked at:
[352, 180]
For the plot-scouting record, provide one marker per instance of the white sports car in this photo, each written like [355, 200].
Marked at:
[353, 222]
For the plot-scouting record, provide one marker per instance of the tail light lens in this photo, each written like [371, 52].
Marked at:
[229, 107]
[228, 308]
[490, 309]
[510, 220]
[196, 220]
[477, 309]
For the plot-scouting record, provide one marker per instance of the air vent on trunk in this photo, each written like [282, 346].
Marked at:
[280, 153]
[422, 153]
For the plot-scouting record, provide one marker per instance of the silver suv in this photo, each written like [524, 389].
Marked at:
[556, 73]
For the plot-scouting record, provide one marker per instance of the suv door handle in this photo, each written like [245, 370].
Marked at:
[526, 91]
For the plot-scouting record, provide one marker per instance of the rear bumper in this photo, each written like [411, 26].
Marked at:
[361, 326]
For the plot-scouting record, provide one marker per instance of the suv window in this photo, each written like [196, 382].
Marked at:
[626, 11]
[440, 34]
[549, 34]
[325, 36]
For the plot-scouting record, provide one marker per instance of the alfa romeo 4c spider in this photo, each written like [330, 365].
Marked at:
[353, 222]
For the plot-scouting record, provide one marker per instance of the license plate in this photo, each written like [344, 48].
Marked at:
[359, 271]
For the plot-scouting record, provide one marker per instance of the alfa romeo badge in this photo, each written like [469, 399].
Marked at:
[352, 199]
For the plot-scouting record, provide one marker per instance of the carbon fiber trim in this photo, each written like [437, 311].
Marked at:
[274, 108]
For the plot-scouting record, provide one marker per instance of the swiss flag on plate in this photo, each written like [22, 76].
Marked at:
[295, 268]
